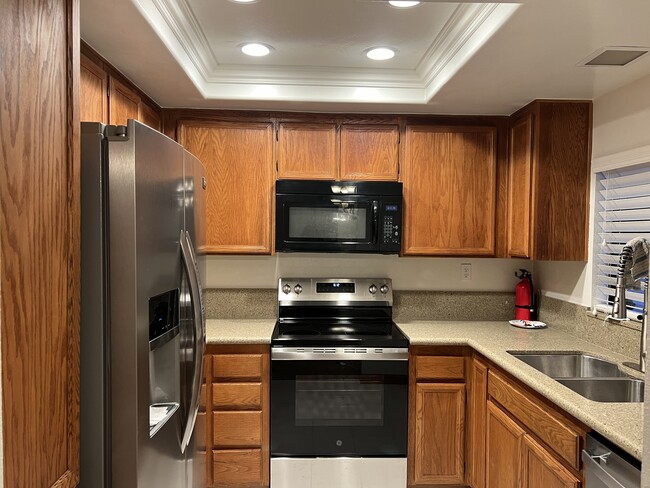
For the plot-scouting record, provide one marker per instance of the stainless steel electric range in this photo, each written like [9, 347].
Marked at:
[339, 381]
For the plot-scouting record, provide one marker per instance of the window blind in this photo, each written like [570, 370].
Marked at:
[623, 212]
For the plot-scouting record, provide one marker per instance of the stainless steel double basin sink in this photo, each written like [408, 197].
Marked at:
[594, 378]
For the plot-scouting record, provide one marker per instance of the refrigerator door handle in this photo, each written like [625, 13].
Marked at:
[191, 267]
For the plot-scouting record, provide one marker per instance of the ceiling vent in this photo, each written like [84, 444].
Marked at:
[614, 56]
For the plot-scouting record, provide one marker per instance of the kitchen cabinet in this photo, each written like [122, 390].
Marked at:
[476, 422]
[93, 84]
[106, 96]
[307, 151]
[333, 151]
[369, 152]
[39, 243]
[450, 190]
[437, 420]
[238, 160]
[235, 416]
[529, 442]
[548, 181]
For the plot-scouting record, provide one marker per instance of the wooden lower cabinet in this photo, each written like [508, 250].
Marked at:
[439, 454]
[541, 470]
[236, 418]
[504, 444]
[476, 422]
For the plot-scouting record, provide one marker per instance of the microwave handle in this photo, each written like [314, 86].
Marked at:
[375, 222]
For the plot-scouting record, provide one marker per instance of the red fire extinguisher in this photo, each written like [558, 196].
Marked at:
[525, 297]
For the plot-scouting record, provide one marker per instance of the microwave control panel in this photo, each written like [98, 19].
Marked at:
[391, 226]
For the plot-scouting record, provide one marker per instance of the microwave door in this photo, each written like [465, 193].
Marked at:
[327, 224]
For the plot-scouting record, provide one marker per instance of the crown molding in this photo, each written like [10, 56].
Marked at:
[467, 29]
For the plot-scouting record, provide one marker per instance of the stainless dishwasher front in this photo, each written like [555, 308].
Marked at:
[606, 469]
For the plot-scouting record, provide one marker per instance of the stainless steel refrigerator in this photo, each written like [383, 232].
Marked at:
[142, 314]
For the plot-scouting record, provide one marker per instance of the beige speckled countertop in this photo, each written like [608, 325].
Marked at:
[622, 423]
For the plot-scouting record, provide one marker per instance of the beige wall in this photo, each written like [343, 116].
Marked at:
[406, 273]
[621, 137]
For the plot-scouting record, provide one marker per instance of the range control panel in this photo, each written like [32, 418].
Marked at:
[391, 226]
[301, 291]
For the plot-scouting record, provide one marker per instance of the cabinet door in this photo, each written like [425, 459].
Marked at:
[307, 151]
[238, 160]
[476, 431]
[123, 103]
[520, 187]
[149, 116]
[369, 152]
[541, 470]
[505, 440]
[93, 95]
[449, 176]
[439, 455]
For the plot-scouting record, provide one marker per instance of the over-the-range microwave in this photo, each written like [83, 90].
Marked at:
[338, 216]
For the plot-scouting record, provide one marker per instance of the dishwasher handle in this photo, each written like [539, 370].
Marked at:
[593, 468]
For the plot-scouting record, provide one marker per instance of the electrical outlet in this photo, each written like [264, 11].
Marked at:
[465, 271]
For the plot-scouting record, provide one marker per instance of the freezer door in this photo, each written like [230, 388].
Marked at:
[193, 331]
[145, 182]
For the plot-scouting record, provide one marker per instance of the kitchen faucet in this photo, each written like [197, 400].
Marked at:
[633, 266]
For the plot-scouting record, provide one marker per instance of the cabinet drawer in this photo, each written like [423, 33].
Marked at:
[237, 467]
[548, 425]
[440, 367]
[237, 429]
[237, 396]
[237, 367]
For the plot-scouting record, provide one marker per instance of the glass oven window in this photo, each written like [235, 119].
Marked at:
[341, 222]
[333, 400]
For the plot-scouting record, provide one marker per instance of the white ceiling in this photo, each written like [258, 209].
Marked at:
[451, 57]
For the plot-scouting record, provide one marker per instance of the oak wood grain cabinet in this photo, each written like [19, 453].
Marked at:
[476, 422]
[504, 444]
[238, 160]
[93, 105]
[437, 420]
[369, 152]
[450, 187]
[235, 426]
[548, 181]
[307, 151]
[106, 96]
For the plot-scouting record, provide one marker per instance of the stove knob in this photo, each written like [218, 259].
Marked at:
[297, 289]
[372, 289]
[286, 289]
[383, 289]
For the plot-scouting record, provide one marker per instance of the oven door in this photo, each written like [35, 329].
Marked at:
[327, 223]
[339, 407]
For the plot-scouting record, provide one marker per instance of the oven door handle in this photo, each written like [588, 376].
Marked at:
[338, 354]
[375, 222]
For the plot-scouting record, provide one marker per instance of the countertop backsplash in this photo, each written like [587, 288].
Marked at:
[261, 303]
[622, 338]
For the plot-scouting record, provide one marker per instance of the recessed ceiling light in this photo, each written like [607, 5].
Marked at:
[255, 49]
[403, 3]
[380, 53]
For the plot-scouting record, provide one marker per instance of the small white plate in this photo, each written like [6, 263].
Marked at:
[528, 324]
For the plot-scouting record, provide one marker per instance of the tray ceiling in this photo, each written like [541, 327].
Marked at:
[450, 56]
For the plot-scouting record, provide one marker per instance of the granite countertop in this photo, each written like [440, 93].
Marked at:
[621, 423]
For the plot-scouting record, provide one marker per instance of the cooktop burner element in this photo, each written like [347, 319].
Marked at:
[316, 312]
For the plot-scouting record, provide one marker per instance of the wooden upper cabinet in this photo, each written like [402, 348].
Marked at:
[519, 186]
[93, 106]
[307, 151]
[550, 164]
[238, 160]
[439, 448]
[504, 444]
[541, 470]
[123, 103]
[449, 177]
[369, 152]
[149, 116]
